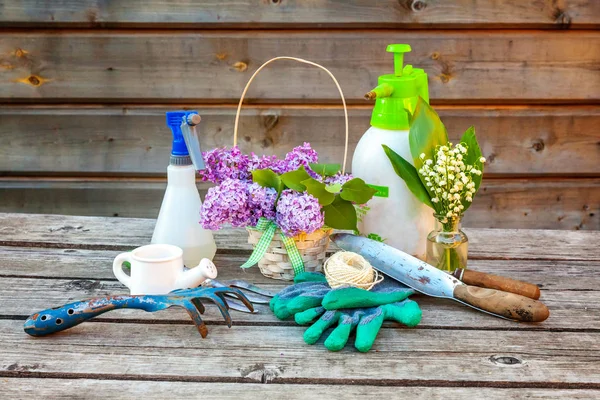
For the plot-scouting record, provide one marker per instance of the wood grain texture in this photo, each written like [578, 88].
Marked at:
[500, 203]
[99, 233]
[90, 265]
[501, 67]
[135, 140]
[321, 13]
[67, 389]
[573, 311]
[63, 275]
[509, 305]
[492, 281]
[453, 351]
[248, 354]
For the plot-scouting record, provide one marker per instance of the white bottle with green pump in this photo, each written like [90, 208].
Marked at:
[395, 214]
[178, 220]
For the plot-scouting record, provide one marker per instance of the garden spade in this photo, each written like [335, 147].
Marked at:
[431, 281]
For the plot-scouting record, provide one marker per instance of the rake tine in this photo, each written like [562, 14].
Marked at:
[198, 305]
[222, 305]
[194, 313]
[241, 284]
[253, 298]
[235, 304]
[239, 295]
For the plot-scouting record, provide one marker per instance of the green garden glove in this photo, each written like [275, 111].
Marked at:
[311, 298]
[308, 292]
[367, 322]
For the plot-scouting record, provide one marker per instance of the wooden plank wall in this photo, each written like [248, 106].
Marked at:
[84, 86]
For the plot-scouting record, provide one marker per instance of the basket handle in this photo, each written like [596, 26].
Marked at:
[237, 115]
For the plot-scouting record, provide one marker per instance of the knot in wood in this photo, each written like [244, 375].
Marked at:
[444, 78]
[269, 121]
[505, 360]
[563, 19]
[83, 285]
[34, 80]
[20, 53]
[417, 5]
[538, 145]
[261, 373]
[240, 66]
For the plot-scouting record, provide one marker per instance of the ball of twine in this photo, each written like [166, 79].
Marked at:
[346, 268]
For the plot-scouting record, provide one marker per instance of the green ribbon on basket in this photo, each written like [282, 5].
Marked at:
[269, 228]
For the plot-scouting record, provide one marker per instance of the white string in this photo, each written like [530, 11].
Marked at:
[237, 115]
[346, 268]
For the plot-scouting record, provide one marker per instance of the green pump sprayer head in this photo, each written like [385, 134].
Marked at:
[396, 94]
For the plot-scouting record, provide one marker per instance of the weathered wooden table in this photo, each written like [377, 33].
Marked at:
[454, 353]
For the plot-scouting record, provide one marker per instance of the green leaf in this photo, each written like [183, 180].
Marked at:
[267, 178]
[293, 179]
[409, 174]
[325, 169]
[335, 188]
[318, 190]
[472, 158]
[426, 132]
[340, 214]
[376, 237]
[357, 190]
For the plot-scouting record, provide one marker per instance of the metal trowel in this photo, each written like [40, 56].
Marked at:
[431, 281]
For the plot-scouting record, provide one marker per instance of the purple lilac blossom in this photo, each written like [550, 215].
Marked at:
[226, 204]
[223, 163]
[338, 178]
[267, 162]
[298, 213]
[301, 156]
[261, 202]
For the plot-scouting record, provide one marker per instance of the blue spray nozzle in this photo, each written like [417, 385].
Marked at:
[174, 119]
[185, 138]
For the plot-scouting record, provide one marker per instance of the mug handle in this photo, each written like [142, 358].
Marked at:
[118, 269]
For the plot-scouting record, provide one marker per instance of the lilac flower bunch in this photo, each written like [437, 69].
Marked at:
[301, 156]
[298, 213]
[237, 203]
[261, 201]
[222, 163]
[296, 192]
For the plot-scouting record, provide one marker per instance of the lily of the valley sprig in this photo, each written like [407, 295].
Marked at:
[449, 180]
[445, 177]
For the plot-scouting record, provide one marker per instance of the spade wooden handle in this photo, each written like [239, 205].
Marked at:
[490, 281]
[506, 304]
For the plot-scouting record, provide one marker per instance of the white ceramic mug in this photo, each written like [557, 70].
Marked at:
[158, 269]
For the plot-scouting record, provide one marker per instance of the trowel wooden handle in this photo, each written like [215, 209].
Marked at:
[506, 304]
[498, 282]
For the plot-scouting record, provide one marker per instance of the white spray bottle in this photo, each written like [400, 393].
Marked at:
[178, 219]
[395, 214]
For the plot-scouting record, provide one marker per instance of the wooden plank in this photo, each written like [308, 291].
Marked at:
[571, 310]
[81, 264]
[279, 355]
[501, 203]
[101, 233]
[17, 388]
[322, 13]
[135, 140]
[536, 203]
[501, 67]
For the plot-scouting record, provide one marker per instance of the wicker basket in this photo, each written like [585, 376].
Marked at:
[312, 248]
[276, 262]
